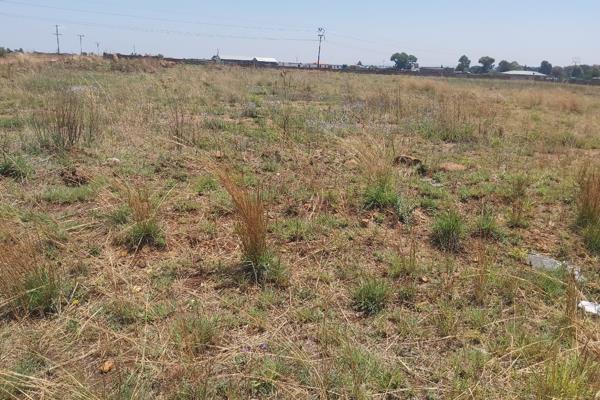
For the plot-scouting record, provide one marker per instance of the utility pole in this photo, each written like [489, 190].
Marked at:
[98, 48]
[81, 44]
[57, 39]
[321, 34]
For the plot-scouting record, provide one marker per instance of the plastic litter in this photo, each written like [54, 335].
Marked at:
[590, 308]
[550, 264]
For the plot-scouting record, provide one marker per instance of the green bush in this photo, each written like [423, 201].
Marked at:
[145, 233]
[381, 194]
[15, 167]
[447, 231]
[487, 226]
[591, 236]
[371, 296]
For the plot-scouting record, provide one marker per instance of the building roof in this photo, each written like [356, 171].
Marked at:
[249, 59]
[266, 59]
[236, 58]
[524, 73]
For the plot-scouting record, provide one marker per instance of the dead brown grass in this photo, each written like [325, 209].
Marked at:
[588, 199]
[252, 222]
[23, 273]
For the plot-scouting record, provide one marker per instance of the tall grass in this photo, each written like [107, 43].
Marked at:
[588, 198]
[588, 207]
[68, 119]
[28, 284]
[146, 229]
[251, 229]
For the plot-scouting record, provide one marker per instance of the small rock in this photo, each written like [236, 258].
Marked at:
[550, 264]
[452, 167]
[407, 160]
[424, 279]
[107, 366]
[590, 308]
[218, 154]
[113, 161]
[351, 164]
[74, 176]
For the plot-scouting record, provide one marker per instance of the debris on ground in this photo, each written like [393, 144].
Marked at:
[407, 160]
[452, 167]
[590, 308]
[540, 261]
[74, 176]
[107, 366]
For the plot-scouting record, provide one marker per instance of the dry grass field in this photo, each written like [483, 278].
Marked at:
[206, 232]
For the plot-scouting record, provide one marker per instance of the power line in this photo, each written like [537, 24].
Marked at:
[57, 39]
[160, 31]
[160, 19]
[321, 35]
[81, 43]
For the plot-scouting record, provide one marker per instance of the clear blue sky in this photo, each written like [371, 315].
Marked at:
[436, 31]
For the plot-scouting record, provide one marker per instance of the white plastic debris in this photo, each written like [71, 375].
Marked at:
[550, 264]
[590, 308]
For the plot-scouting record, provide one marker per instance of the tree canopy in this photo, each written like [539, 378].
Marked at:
[487, 63]
[403, 60]
[546, 67]
[464, 63]
[504, 66]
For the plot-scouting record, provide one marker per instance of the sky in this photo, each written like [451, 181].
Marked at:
[437, 32]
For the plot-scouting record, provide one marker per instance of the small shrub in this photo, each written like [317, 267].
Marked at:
[120, 215]
[404, 265]
[573, 378]
[588, 198]
[517, 193]
[145, 230]
[68, 119]
[28, 284]
[371, 296]
[381, 195]
[68, 195]
[15, 167]
[486, 226]
[591, 236]
[145, 233]
[205, 184]
[251, 229]
[194, 334]
[447, 231]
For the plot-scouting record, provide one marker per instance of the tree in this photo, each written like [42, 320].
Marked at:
[463, 64]
[359, 63]
[558, 72]
[487, 63]
[504, 66]
[546, 67]
[403, 60]
[577, 72]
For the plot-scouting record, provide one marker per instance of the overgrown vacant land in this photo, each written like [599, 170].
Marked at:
[204, 232]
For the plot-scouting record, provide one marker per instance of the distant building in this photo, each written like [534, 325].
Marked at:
[524, 74]
[246, 61]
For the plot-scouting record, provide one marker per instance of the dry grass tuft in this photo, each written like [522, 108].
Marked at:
[251, 229]
[146, 229]
[252, 222]
[588, 199]
[69, 119]
[28, 285]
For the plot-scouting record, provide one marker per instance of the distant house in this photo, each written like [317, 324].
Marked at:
[246, 61]
[524, 75]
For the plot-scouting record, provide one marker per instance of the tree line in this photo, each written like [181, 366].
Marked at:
[487, 65]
